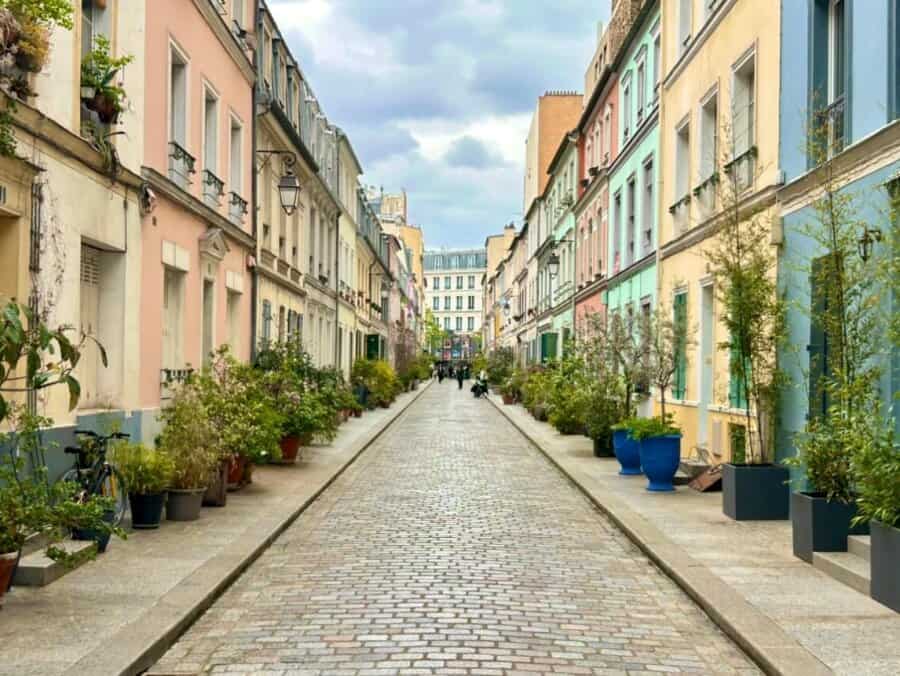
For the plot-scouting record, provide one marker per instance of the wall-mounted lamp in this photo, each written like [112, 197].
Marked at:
[288, 185]
[867, 242]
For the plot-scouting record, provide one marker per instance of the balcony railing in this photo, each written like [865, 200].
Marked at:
[237, 208]
[181, 165]
[213, 189]
[831, 128]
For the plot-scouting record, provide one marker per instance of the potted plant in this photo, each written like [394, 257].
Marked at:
[148, 474]
[876, 471]
[743, 265]
[188, 438]
[100, 91]
[507, 392]
[822, 515]
[660, 450]
[602, 410]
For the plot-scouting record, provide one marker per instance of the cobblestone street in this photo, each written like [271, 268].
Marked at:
[453, 547]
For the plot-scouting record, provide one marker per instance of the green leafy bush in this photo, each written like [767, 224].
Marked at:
[146, 471]
[189, 439]
[645, 428]
[875, 465]
[500, 365]
[379, 380]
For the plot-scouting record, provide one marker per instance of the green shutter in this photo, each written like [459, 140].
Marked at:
[679, 383]
[373, 344]
[737, 393]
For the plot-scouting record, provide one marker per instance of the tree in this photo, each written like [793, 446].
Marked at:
[666, 337]
[743, 263]
[618, 340]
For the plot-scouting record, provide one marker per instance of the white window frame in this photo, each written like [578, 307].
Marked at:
[176, 50]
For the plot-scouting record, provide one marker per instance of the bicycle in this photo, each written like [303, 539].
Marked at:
[94, 473]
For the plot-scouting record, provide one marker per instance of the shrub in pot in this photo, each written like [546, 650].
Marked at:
[602, 410]
[100, 90]
[660, 450]
[822, 515]
[875, 467]
[188, 438]
[148, 474]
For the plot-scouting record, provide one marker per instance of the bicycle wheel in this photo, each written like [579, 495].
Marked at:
[113, 486]
[72, 475]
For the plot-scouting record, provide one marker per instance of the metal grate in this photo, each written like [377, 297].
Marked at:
[34, 258]
[90, 266]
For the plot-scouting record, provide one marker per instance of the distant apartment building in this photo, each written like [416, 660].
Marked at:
[453, 279]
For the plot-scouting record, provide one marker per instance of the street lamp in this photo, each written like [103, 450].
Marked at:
[506, 307]
[867, 242]
[288, 185]
[553, 264]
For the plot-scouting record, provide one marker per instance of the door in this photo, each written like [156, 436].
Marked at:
[706, 364]
[89, 324]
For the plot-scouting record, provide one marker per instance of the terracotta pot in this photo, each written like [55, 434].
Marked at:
[290, 447]
[357, 414]
[236, 472]
[217, 492]
[248, 473]
[508, 399]
[7, 567]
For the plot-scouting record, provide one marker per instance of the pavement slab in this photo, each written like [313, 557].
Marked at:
[119, 613]
[791, 617]
[453, 547]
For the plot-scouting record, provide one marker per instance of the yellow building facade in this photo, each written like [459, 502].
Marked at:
[719, 148]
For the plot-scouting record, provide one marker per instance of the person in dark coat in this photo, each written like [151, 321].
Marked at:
[440, 374]
[459, 376]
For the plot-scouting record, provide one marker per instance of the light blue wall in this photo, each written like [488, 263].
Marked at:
[793, 281]
[869, 91]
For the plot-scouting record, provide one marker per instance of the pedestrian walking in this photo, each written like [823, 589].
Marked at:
[440, 374]
[459, 376]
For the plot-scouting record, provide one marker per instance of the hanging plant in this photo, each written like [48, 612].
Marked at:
[101, 91]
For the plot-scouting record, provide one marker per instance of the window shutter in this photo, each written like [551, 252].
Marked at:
[679, 385]
[818, 341]
[737, 393]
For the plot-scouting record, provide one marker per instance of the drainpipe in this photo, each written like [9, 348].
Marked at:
[254, 277]
[337, 296]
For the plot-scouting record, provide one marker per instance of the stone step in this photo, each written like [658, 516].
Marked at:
[860, 545]
[847, 568]
[38, 570]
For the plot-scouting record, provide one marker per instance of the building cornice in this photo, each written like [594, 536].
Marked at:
[280, 280]
[647, 126]
[633, 269]
[593, 287]
[190, 203]
[876, 151]
[227, 39]
[750, 204]
[47, 130]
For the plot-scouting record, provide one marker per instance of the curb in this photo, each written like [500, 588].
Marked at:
[138, 645]
[770, 647]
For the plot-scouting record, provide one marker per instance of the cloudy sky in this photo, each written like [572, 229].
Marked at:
[437, 95]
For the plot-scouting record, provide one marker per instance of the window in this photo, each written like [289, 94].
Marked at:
[459, 282]
[179, 167]
[657, 65]
[648, 209]
[236, 173]
[471, 302]
[266, 321]
[743, 114]
[679, 382]
[459, 302]
[447, 284]
[709, 121]
[446, 302]
[630, 222]
[626, 107]
[471, 281]
[470, 324]
[281, 323]
[682, 160]
[641, 90]
[437, 303]
[211, 184]
[617, 227]
[237, 12]
[459, 324]
[743, 105]
[209, 320]
[684, 23]
[173, 302]
[446, 323]
[233, 320]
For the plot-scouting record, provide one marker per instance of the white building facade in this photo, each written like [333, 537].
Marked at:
[453, 293]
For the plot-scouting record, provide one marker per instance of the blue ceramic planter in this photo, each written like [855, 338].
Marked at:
[659, 458]
[627, 452]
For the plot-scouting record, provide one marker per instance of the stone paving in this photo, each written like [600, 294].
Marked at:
[453, 547]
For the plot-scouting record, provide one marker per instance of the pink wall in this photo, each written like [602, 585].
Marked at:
[181, 23]
[208, 61]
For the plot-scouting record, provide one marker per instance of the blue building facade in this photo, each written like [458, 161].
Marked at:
[840, 71]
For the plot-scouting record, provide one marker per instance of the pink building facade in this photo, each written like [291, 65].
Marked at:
[197, 241]
[597, 149]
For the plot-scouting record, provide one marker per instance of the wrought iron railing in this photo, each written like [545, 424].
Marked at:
[181, 165]
[213, 189]
[237, 208]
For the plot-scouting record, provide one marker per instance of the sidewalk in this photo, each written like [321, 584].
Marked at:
[120, 613]
[788, 616]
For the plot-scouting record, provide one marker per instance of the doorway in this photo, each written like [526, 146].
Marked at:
[706, 364]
